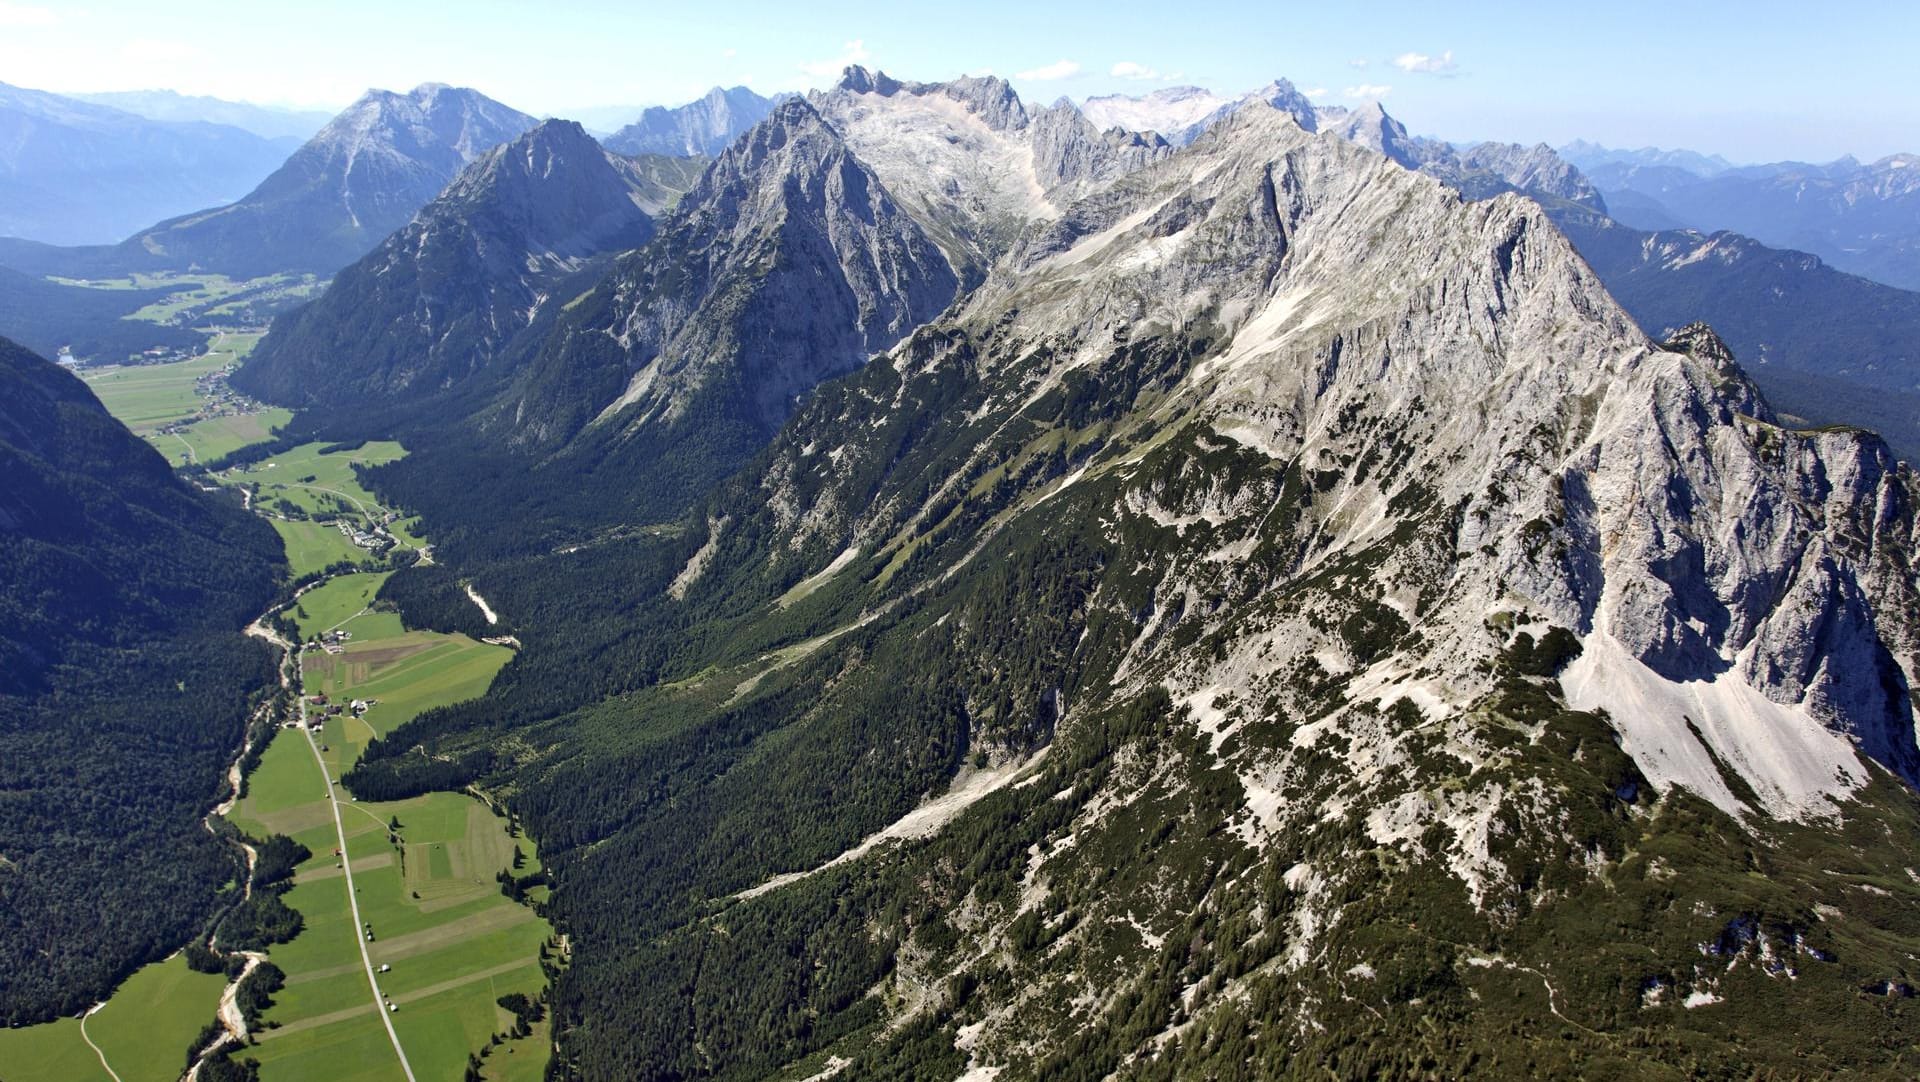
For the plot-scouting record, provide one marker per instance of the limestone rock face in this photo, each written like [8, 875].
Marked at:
[700, 128]
[971, 162]
[1547, 460]
[789, 262]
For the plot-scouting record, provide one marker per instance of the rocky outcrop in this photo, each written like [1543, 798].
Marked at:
[971, 162]
[1598, 482]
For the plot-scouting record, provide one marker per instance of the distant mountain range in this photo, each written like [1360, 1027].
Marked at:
[75, 172]
[358, 179]
[1590, 157]
[1863, 218]
[266, 121]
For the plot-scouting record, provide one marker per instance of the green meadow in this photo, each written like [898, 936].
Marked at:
[143, 1031]
[147, 398]
[216, 436]
[315, 546]
[318, 484]
[205, 299]
[453, 942]
[144, 397]
[337, 603]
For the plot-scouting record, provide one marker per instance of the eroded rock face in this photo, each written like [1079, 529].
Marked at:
[1373, 584]
[699, 128]
[789, 262]
[1587, 477]
[971, 162]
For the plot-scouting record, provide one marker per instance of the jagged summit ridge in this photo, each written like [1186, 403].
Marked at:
[972, 162]
[745, 250]
[1323, 346]
[1308, 597]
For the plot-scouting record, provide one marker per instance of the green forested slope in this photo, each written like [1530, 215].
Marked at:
[124, 688]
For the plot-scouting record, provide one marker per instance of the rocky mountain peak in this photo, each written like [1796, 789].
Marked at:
[787, 228]
[1699, 340]
[703, 127]
[858, 80]
[429, 309]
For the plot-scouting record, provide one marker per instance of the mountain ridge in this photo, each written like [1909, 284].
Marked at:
[1295, 506]
[359, 178]
[427, 310]
[701, 128]
[125, 686]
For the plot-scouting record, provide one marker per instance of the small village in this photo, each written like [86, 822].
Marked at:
[320, 708]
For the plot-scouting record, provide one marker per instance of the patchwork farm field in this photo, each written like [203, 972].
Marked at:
[149, 398]
[426, 888]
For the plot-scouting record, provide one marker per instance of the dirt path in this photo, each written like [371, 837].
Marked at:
[104, 1065]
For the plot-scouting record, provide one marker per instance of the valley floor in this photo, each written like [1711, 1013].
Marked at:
[417, 886]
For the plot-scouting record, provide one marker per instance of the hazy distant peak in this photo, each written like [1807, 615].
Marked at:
[701, 128]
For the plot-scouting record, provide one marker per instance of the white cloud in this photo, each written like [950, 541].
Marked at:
[1366, 91]
[1360, 63]
[729, 53]
[1059, 69]
[1316, 92]
[1127, 69]
[25, 15]
[853, 52]
[1422, 64]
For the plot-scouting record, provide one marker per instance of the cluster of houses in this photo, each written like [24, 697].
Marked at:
[335, 641]
[372, 542]
[320, 709]
[217, 399]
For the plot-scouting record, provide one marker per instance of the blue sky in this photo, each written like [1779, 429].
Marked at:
[1755, 81]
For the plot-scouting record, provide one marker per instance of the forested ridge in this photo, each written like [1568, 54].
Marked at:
[125, 686]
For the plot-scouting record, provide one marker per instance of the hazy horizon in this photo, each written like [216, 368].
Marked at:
[1647, 75]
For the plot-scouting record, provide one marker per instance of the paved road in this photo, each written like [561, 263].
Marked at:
[353, 898]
